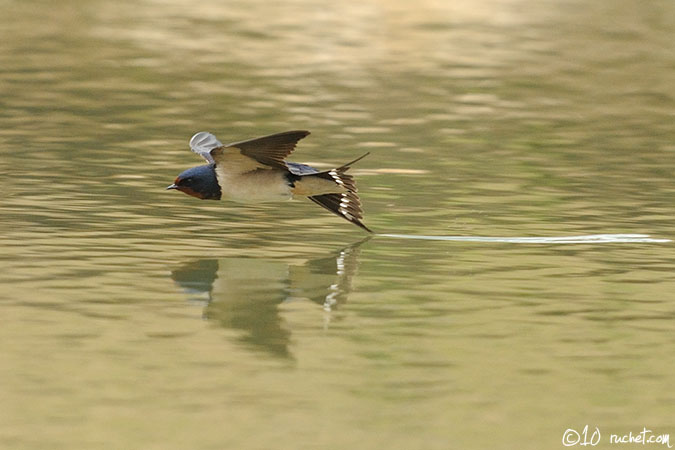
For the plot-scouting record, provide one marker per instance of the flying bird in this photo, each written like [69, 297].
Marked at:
[256, 170]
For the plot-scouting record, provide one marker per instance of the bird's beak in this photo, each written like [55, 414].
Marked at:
[173, 186]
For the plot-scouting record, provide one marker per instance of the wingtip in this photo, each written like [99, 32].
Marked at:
[204, 139]
[303, 132]
[203, 143]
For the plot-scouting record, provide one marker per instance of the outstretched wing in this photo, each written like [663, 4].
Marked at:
[269, 150]
[265, 152]
[202, 143]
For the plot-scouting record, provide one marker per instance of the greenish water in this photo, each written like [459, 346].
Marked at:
[520, 182]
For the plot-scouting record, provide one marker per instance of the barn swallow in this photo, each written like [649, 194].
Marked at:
[256, 170]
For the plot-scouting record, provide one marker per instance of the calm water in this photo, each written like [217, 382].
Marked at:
[133, 317]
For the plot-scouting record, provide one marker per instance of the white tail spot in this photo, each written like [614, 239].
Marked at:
[336, 177]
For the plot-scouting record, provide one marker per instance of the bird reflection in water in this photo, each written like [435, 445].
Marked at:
[244, 294]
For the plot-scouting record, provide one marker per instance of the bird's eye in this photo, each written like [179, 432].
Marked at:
[187, 180]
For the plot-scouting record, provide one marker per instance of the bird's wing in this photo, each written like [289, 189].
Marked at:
[202, 143]
[263, 152]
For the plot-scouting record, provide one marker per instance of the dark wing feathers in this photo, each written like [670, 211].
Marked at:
[271, 150]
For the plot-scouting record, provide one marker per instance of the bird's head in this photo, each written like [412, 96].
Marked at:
[200, 182]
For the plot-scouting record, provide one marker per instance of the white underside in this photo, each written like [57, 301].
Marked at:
[254, 187]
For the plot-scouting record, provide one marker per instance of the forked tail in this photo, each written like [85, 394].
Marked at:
[346, 203]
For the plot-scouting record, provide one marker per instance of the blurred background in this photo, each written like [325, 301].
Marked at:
[134, 317]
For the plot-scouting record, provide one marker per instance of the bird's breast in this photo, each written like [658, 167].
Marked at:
[261, 185]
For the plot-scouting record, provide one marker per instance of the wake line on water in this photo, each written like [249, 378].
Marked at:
[586, 239]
